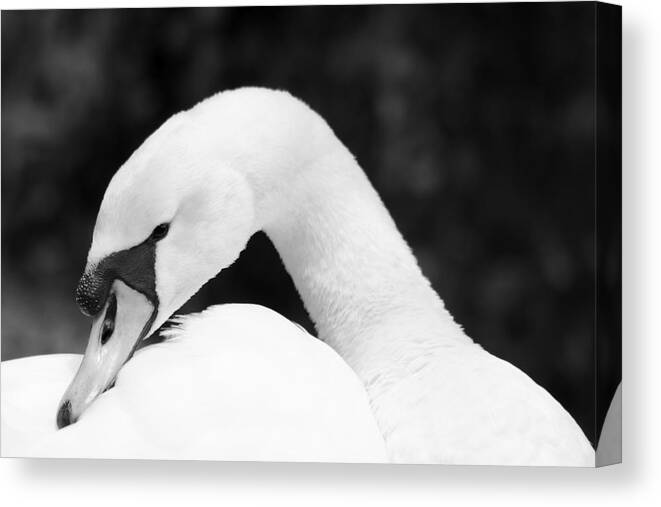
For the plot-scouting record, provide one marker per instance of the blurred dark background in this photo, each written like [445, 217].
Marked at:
[474, 122]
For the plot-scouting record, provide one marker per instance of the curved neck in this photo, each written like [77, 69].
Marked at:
[356, 275]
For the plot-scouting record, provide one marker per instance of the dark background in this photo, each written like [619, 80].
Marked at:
[474, 122]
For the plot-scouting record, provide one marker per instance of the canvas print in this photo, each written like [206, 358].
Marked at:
[375, 234]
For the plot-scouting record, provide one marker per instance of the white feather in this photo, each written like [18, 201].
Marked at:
[235, 382]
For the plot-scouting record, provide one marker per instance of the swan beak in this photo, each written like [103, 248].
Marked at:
[125, 320]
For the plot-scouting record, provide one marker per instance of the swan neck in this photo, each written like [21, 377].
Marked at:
[356, 275]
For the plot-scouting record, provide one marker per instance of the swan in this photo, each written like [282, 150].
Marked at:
[183, 207]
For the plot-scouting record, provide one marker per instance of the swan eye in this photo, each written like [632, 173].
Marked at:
[160, 232]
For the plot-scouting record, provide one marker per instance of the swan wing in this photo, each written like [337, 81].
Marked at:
[235, 382]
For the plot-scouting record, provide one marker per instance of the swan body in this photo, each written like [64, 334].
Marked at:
[466, 406]
[234, 382]
[254, 159]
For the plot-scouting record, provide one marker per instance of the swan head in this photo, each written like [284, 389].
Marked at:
[172, 217]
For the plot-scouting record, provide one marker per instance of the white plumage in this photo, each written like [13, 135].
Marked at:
[255, 159]
[235, 382]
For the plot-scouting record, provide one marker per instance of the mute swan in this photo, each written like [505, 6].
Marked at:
[183, 207]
